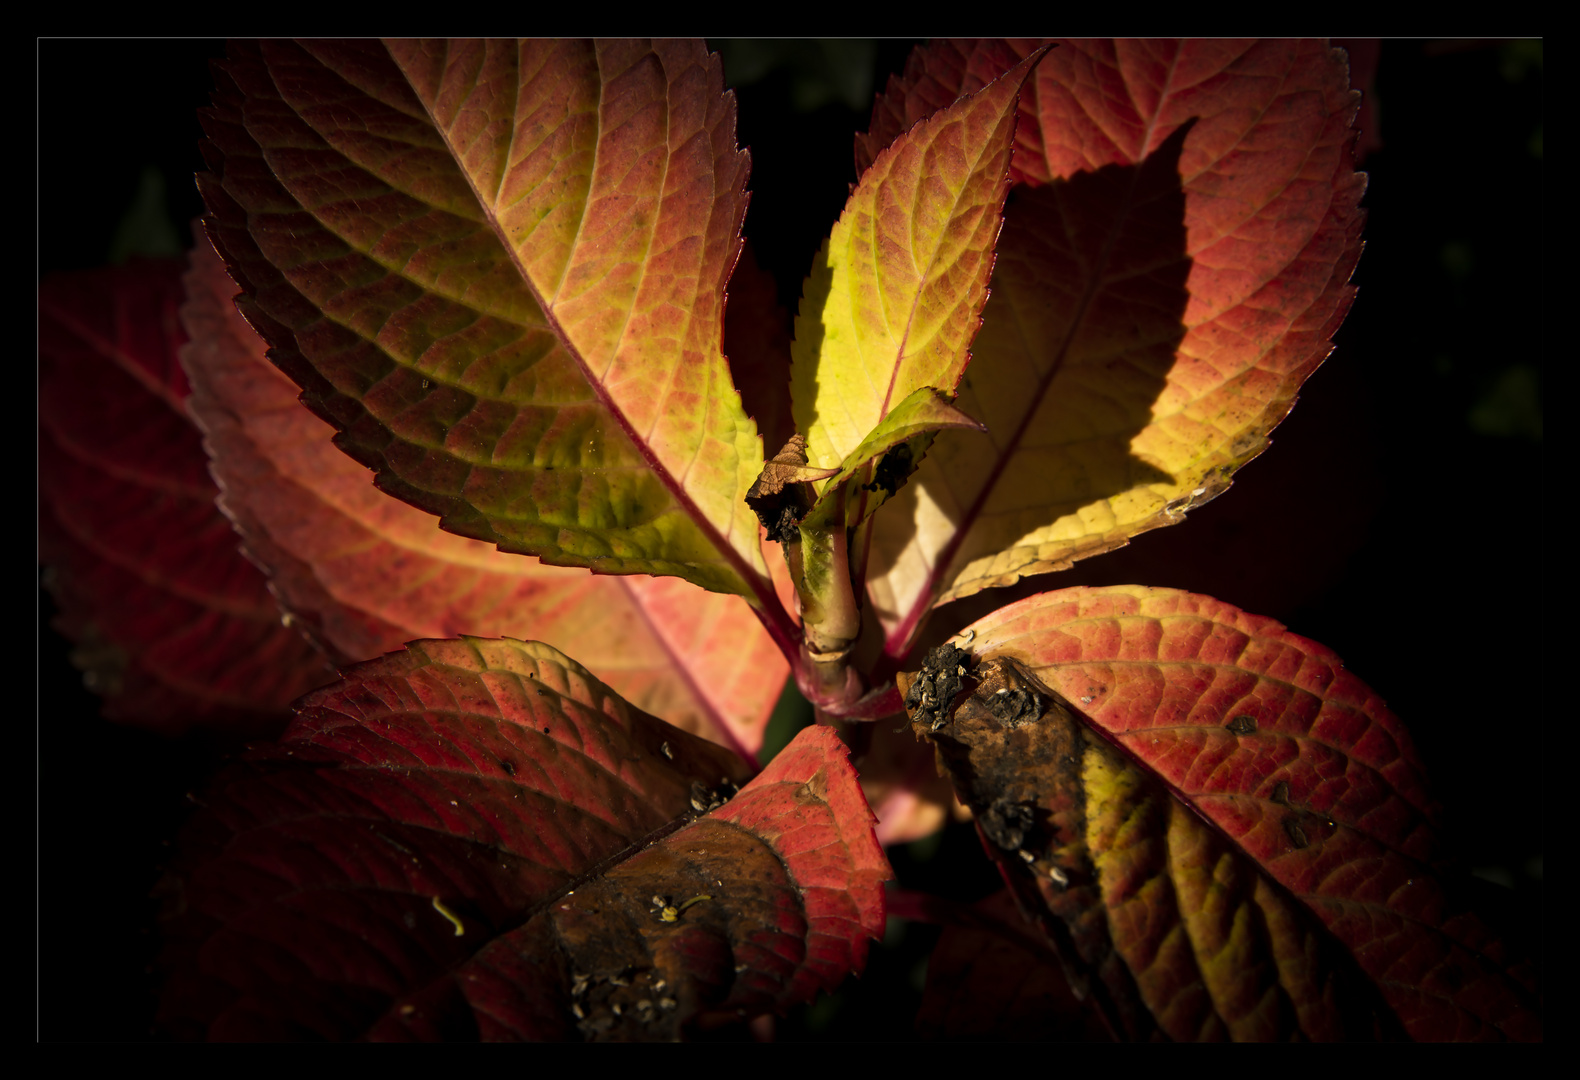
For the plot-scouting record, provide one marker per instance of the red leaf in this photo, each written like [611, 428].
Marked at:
[1193, 767]
[1363, 55]
[459, 840]
[809, 808]
[992, 977]
[173, 625]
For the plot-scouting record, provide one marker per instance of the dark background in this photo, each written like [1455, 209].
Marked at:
[1397, 518]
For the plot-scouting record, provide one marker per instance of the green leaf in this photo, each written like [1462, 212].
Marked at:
[892, 450]
[895, 295]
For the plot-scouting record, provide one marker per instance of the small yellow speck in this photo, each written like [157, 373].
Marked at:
[438, 905]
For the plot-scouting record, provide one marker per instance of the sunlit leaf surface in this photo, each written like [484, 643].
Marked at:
[497, 268]
[895, 296]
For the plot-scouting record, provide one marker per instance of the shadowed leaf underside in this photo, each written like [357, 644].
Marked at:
[172, 625]
[477, 839]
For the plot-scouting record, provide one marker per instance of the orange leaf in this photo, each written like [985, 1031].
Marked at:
[367, 573]
[1171, 269]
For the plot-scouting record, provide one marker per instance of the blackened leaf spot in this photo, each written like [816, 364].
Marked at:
[892, 470]
[786, 528]
[1012, 708]
[933, 693]
[1242, 725]
[1007, 822]
[705, 799]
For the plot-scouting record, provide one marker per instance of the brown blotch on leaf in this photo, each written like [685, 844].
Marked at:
[1296, 834]
[1016, 759]
[1242, 725]
[644, 952]
[1281, 793]
[815, 789]
[781, 496]
[1011, 745]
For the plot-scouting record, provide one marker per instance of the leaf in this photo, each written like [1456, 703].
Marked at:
[1173, 270]
[935, 76]
[781, 495]
[498, 270]
[992, 977]
[757, 341]
[465, 840]
[172, 625]
[894, 297]
[367, 573]
[908, 428]
[1227, 834]
[903, 787]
